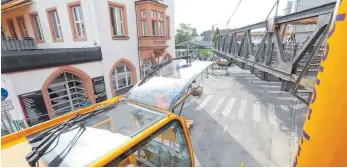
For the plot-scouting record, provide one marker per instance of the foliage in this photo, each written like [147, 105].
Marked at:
[215, 34]
[185, 33]
[204, 51]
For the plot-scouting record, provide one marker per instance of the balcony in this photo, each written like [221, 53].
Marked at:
[18, 45]
[21, 55]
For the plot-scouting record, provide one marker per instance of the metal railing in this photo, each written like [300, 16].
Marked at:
[273, 54]
[27, 43]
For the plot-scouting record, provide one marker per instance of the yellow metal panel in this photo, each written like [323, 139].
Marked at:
[42, 126]
[324, 137]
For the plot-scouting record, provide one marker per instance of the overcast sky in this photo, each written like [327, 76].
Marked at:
[202, 14]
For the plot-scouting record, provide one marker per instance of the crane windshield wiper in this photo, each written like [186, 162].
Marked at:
[157, 67]
[47, 138]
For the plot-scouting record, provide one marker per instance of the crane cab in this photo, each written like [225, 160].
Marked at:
[142, 128]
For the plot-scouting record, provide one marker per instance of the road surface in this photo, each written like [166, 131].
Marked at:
[240, 118]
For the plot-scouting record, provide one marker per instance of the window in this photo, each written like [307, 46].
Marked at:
[2, 33]
[298, 3]
[166, 147]
[146, 67]
[22, 27]
[77, 21]
[160, 15]
[310, 27]
[154, 28]
[167, 27]
[144, 27]
[12, 29]
[121, 77]
[35, 22]
[153, 13]
[161, 29]
[117, 21]
[164, 59]
[143, 13]
[54, 24]
[66, 93]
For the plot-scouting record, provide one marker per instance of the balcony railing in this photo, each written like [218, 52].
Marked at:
[18, 45]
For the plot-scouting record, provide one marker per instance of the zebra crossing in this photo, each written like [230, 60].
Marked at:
[243, 107]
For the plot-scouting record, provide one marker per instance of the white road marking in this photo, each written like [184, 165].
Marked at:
[241, 112]
[256, 111]
[228, 107]
[287, 98]
[285, 108]
[242, 74]
[203, 103]
[300, 105]
[261, 81]
[197, 163]
[276, 91]
[251, 77]
[218, 104]
[189, 103]
[270, 86]
[225, 128]
[291, 98]
[272, 114]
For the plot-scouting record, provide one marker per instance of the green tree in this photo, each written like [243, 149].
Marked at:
[215, 34]
[185, 32]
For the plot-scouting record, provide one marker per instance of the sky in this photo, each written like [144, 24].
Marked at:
[202, 14]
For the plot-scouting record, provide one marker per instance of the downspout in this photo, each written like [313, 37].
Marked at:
[138, 41]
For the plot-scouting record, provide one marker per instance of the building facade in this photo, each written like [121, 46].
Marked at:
[58, 55]
[304, 30]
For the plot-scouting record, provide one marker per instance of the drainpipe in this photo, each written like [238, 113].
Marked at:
[138, 41]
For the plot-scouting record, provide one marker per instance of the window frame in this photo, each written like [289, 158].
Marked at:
[3, 34]
[167, 26]
[126, 73]
[160, 15]
[73, 23]
[143, 13]
[143, 69]
[124, 23]
[153, 14]
[36, 28]
[144, 27]
[12, 28]
[23, 29]
[154, 29]
[49, 12]
[67, 93]
[134, 148]
[160, 28]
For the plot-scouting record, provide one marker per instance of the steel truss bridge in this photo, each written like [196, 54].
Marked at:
[276, 53]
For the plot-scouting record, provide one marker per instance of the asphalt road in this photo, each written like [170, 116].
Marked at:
[240, 118]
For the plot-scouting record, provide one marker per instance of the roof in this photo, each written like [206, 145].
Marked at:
[168, 85]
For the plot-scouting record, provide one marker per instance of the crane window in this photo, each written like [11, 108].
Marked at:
[167, 147]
